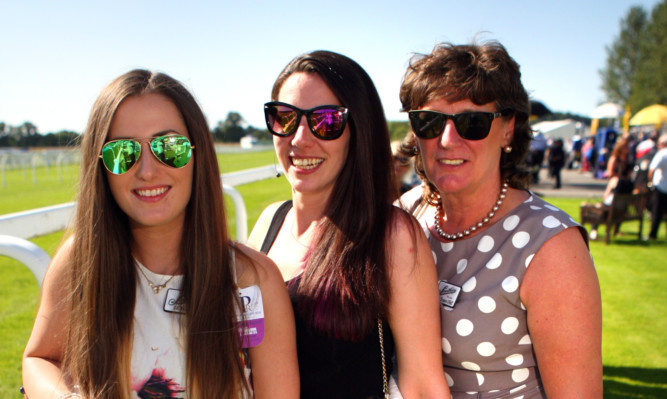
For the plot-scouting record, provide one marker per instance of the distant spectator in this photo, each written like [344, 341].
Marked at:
[402, 169]
[587, 155]
[646, 150]
[538, 146]
[657, 173]
[556, 160]
[617, 185]
[619, 160]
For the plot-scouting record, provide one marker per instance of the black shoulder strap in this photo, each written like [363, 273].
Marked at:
[276, 224]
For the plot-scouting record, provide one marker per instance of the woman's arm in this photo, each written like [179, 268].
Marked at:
[42, 373]
[274, 362]
[562, 296]
[414, 312]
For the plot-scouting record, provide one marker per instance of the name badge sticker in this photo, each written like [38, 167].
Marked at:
[251, 321]
[449, 294]
[171, 302]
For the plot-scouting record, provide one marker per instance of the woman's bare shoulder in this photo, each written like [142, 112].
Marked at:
[261, 227]
[253, 267]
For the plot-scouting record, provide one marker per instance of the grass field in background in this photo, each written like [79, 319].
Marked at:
[23, 189]
[632, 276]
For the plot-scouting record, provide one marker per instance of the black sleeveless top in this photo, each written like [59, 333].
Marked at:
[330, 367]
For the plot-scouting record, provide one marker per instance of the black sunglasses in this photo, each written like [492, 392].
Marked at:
[327, 122]
[469, 125]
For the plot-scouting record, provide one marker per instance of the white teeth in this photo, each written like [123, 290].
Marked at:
[451, 161]
[153, 192]
[306, 163]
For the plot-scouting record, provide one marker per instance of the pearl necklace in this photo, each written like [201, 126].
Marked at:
[155, 287]
[474, 227]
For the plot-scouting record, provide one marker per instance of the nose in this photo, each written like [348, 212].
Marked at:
[147, 164]
[303, 135]
[449, 136]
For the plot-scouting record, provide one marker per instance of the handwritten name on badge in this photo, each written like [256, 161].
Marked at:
[171, 302]
[251, 320]
[449, 294]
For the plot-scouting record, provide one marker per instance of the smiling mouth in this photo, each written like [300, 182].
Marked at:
[454, 162]
[154, 192]
[306, 163]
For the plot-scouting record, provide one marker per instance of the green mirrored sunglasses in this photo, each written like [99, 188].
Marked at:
[172, 150]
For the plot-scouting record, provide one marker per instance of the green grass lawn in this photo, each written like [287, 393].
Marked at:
[631, 273]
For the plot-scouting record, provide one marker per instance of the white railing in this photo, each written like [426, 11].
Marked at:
[27, 253]
[16, 228]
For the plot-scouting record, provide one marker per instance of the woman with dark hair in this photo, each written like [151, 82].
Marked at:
[149, 297]
[358, 269]
[521, 312]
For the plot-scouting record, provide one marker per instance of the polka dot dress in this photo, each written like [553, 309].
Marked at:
[486, 347]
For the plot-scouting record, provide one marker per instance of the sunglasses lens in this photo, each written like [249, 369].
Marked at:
[427, 125]
[473, 125]
[327, 123]
[173, 150]
[280, 119]
[119, 156]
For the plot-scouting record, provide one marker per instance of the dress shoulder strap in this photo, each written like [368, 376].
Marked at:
[276, 224]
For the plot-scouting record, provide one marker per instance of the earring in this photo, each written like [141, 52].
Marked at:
[415, 150]
[507, 149]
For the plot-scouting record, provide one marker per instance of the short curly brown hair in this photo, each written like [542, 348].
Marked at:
[482, 73]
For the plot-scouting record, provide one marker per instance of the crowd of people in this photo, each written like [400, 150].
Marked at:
[366, 283]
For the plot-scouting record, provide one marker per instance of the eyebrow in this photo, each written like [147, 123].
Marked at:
[158, 134]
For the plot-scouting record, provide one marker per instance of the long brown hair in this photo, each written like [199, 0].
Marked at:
[345, 284]
[482, 73]
[103, 275]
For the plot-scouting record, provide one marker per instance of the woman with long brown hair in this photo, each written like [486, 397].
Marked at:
[358, 269]
[149, 297]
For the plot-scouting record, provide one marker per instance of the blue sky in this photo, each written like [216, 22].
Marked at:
[57, 56]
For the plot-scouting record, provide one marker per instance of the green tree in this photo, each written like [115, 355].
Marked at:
[623, 57]
[231, 129]
[650, 83]
[397, 130]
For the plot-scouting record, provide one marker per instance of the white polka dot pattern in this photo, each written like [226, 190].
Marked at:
[551, 222]
[470, 366]
[485, 244]
[525, 340]
[510, 284]
[509, 325]
[520, 239]
[449, 379]
[446, 347]
[529, 259]
[469, 285]
[511, 222]
[464, 327]
[486, 346]
[486, 304]
[486, 349]
[515, 359]
[461, 266]
[520, 375]
[494, 262]
[480, 378]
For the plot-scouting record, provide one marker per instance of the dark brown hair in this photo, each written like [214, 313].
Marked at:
[98, 353]
[481, 73]
[345, 285]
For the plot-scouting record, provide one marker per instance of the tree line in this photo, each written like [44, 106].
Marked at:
[635, 74]
[230, 130]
